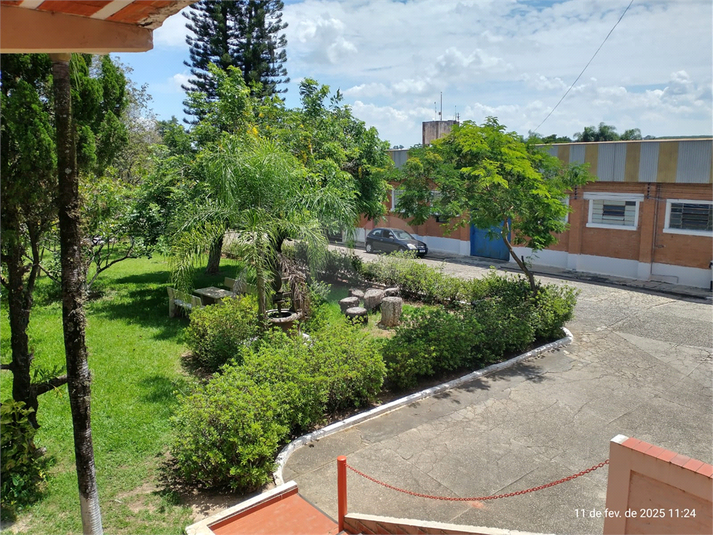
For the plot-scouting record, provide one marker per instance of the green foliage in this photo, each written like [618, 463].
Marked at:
[22, 471]
[217, 334]
[230, 429]
[493, 180]
[351, 364]
[555, 307]
[245, 35]
[341, 265]
[430, 341]
[335, 146]
[415, 280]
[490, 318]
[227, 432]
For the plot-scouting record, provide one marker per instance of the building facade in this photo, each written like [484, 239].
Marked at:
[648, 216]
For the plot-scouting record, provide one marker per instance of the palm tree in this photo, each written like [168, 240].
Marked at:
[265, 196]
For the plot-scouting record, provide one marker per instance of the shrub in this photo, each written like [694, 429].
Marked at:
[22, 472]
[414, 279]
[217, 333]
[342, 265]
[227, 432]
[506, 328]
[555, 307]
[351, 364]
[281, 362]
[429, 341]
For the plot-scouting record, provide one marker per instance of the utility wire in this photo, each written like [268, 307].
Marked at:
[585, 67]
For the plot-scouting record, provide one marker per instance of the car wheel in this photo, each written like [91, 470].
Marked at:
[369, 248]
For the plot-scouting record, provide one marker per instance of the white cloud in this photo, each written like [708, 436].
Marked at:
[323, 39]
[172, 33]
[178, 80]
[510, 58]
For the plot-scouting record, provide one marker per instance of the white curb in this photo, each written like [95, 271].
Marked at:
[398, 403]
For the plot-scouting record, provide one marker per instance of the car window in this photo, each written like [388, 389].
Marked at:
[403, 235]
[375, 234]
[388, 235]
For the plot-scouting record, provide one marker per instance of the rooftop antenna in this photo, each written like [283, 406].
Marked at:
[435, 110]
[440, 114]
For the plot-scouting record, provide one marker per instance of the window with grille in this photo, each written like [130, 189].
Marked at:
[395, 196]
[689, 217]
[614, 212]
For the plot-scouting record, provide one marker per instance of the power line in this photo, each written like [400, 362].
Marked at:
[585, 67]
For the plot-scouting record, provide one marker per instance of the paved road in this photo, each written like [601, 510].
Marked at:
[641, 365]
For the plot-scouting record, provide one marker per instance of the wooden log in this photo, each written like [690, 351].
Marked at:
[372, 299]
[356, 293]
[348, 302]
[357, 315]
[391, 311]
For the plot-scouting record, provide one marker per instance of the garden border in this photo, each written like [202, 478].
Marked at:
[398, 403]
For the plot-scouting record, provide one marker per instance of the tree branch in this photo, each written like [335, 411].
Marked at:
[6, 367]
[49, 275]
[126, 256]
[46, 386]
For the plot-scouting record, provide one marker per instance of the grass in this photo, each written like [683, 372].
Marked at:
[134, 356]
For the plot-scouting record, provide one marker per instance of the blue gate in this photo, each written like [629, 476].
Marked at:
[481, 245]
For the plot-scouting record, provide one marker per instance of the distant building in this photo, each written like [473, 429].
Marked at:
[648, 216]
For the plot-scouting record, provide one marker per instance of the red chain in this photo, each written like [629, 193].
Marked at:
[481, 498]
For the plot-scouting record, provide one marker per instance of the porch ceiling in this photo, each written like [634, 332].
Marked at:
[93, 26]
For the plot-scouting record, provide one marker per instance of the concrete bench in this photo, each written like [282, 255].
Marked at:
[181, 301]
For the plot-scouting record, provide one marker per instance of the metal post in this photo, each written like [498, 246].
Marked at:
[341, 490]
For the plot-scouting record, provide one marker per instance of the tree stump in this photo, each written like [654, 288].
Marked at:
[357, 315]
[372, 299]
[391, 311]
[356, 293]
[391, 292]
[348, 302]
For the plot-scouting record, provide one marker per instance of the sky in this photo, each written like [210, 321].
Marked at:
[511, 59]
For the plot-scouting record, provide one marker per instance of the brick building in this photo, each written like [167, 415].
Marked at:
[648, 216]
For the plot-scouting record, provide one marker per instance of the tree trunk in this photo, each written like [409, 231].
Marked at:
[520, 261]
[19, 312]
[216, 250]
[19, 291]
[73, 320]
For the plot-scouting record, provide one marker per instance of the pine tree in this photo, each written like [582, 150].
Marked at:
[244, 34]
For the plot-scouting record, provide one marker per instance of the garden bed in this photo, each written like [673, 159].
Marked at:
[275, 388]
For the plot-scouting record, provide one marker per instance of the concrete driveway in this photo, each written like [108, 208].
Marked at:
[640, 365]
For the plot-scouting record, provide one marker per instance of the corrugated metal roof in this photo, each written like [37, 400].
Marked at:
[694, 162]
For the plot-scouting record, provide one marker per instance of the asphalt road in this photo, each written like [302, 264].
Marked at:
[641, 365]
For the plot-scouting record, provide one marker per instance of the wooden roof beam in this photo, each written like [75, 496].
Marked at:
[29, 30]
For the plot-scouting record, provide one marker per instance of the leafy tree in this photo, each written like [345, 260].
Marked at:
[265, 195]
[631, 134]
[604, 132]
[534, 137]
[29, 188]
[325, 136]
[491, 179]
[44, 148]
[245, 34]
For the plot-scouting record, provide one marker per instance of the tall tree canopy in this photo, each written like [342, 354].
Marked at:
[606, 132]
[29, 178]
[492, 179]
[245, 34]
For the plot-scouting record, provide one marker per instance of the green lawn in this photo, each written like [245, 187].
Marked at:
[134, 356]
